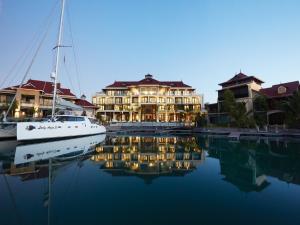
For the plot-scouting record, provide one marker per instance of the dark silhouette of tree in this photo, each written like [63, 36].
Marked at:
[260, 108]
[291, 108]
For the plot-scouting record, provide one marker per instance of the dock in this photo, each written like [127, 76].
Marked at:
[235, 136]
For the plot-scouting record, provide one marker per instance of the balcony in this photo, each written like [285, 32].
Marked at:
[120, 94]
[181, 94]
[4, 103]
[148, 102]
[27, 103]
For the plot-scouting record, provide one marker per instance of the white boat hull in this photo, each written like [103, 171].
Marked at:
[27, 131]
[8, 131]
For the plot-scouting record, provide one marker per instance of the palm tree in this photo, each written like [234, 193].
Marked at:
[291, 107]
[200, 120]
[237, 111]
[260, 107]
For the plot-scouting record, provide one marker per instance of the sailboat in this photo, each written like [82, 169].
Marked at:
[58, 126]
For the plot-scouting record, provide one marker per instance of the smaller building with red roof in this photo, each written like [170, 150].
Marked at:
[276, 95]
[88, 107]
[245, 89]
[280, 91]
[34, 98]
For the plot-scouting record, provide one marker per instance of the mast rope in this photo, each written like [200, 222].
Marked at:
[68, 74]
[29, 67]
[25, 53]
[74, 51]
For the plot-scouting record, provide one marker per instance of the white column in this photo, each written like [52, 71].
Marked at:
[140, 115]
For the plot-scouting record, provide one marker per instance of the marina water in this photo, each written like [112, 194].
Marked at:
[146, 179]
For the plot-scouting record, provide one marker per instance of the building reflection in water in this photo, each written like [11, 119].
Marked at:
[149, 157]
[248, 163]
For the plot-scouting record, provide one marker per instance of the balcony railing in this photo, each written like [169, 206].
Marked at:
[45, 103]
[27, 103]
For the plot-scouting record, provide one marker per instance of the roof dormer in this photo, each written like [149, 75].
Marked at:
[281, 90]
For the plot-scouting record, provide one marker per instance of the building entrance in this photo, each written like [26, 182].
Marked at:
[149, 113]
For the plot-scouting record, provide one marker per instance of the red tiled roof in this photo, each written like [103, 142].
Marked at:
[45, 86]
[147, 81]
[175, 84]
[124, 84]
[84, 103]
[241, 77]
[238, 76]
[272, 92]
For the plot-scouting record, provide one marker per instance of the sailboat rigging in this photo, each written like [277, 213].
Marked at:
[58, 46]
[8, 129]
[59, 126]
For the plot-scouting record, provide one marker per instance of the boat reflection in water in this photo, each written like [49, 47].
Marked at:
[63, 149]
[31, 160]
[247, 164]
[149, 157]
[41, 160]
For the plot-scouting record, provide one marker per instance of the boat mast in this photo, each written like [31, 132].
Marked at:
[58, 46]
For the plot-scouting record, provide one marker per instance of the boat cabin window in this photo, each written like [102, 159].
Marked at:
[69, 118]
[79, 118]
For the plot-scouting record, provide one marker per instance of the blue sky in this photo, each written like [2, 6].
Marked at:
[200, 42]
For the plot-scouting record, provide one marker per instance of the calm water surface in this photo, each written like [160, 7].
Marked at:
[150, 180]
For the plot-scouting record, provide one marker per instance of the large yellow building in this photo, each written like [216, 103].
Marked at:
[148, 100]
